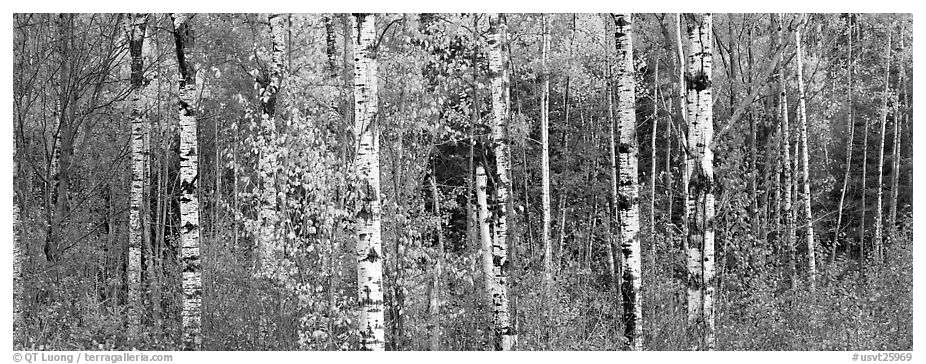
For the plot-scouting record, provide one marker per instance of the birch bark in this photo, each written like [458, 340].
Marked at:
[189, 204]
[787, 211]
[805, 163]
[700, 167]
[368, 216]
[498, 72]
[877, 249]
[628, 186]
[136, 192]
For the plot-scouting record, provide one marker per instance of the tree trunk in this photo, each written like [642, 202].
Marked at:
[879, 212]
[670, 186]
[787, 211]
[652, 202]
[805, 163]
[850, 125]
[484, 220]
[189, 203]
[700, 166]
[861, 242]
[757, 215]
[137, 202]
[368, 216]
[545, 169]
[471, 218]
[628, 193]
[67, 101]
[330, 46]
[161, 204]
[498, 69]
[681, 68]
[17, 254]
[434, 296]
[683, 105]
[613, 260]
[652, 170]
[895, 170]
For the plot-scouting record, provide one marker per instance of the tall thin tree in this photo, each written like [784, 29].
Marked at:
[613, 259]
[136, 194]
[545, 163]
[628, 194]
[368, 216]
[17, 253]
[189, 202]
[805, 161]
[787, 172]
[498, 70]
[700, 169]
[895, 156]
[877, 249]
[434, 292]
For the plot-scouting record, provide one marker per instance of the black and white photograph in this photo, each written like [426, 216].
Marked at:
[461, 181]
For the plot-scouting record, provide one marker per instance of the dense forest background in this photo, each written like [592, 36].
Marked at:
[77, 91]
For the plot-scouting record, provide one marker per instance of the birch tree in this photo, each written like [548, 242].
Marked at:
[136, 194]
[268, 236]
[700, 169]
[498, 71]
[368, 214]
[805, 161]
[612, 156]
[652, 184]
[628, 193]
[879, 215]
[895, 169]
[545, 162]
[330, 46]
[434, 292]
[484, 220]
[191, 311]
[788, 212]
[17, 252]
[683, 106]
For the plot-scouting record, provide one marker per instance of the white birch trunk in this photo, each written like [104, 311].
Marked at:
[498, 70]
[545, 165]
[628, 187]
[788, 212]
[805, 163]
[700, 167]
[136, 193]
[877, 249]
[484, 220]
[369, 251]
[17, 255]
[895, 169]
[434, 299]
[861, 241]
[683, 105]
[652, 170]
[191, 311]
